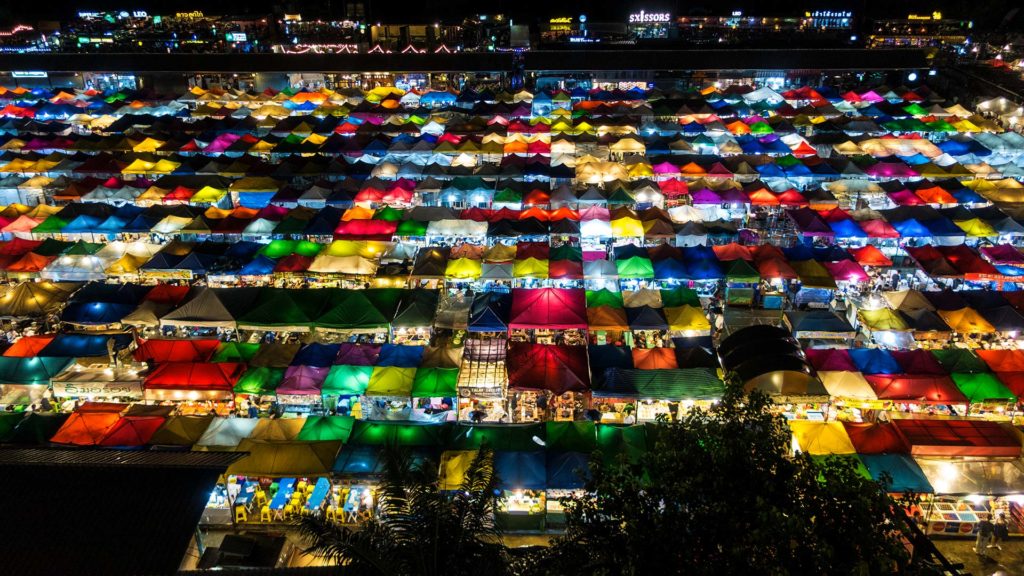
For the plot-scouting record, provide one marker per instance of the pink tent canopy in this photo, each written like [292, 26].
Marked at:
[557, 308]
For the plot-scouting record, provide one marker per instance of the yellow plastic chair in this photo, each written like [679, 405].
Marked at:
[332, 513]
[301, 486]
[240, 514]
[289, 510]
[265, 514]
[260, 498]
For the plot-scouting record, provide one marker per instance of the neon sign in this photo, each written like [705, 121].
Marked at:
[642, 17]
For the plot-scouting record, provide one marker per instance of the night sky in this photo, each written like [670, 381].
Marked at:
[986, 13]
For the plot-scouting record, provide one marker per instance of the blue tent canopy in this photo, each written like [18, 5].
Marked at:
[911, 228]
[489, 312]
[847, 228]
[77, 345]
[874, 361]
[98, 313]
[400, 356]
[566, 470]
[521, 470]
[320, 355]
[669, 269]
[943, 227]
[904, 472]
[259, 266]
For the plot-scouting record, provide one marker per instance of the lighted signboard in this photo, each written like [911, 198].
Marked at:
[562, 23]
[933, 16]
[29, 74]
[642, 17]
[236, 37]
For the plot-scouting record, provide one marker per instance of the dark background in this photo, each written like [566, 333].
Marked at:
[987, 14]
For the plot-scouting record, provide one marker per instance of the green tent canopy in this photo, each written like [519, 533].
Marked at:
[325, 428]
[345, 380]
[412, 228]
[852, 458]
[960, 360]
[982, 387]
[505, 437]
[675, 384]
[259, 380]
[36, 428]
[366, 433]
[628, 441]
[352, 310]
[740, 271]
[635, 267]
[578, 436]
[416, 309]
[604, 297]
[281, 308]
[679, 297]
[8, 422]
[235, 352]
[435, 383]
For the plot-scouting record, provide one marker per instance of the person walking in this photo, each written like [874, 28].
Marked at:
[985, 532]
[1000, 531]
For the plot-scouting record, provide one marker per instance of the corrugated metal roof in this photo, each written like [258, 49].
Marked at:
[116, 458]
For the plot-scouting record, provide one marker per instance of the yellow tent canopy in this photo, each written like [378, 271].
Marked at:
[285, 458]
[687, 318]
[530, 268]
[966, 321]
[821, 437]
[463, 269]
[454, 465]
[846, 384]
[882, 319]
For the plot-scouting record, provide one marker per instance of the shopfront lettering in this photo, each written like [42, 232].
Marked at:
[642, 17]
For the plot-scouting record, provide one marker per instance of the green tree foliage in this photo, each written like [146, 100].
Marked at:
[419, 529]
[720, 493]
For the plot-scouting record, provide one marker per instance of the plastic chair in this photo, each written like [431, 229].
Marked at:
[260, 498]
[288, 510]
[265, 514]
[301, 486]
[240, 514]
[332, 513]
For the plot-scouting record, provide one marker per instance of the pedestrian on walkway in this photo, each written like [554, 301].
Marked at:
[985, 532]
[1000, 531]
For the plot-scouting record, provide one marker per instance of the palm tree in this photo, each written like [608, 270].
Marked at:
[419, 529]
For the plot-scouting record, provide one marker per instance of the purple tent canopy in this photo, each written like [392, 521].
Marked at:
[1003, 254]
[304, 380]
[890, 170]
[734, 196]
[705, 196]
[358, 354]
[809, 222]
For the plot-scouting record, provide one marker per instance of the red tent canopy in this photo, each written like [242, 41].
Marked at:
[830, 359]
[567, 269]
[160, 351]
[556, 368]
[870, 256]
[194, 377]
[167, 294]
[918, 362]
[29, 346]
[1003, 360]
[655, 358]
[132, 431]
[552, 308]
[916, 388]
[86, 427]
[957, 438]
[875, 438]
